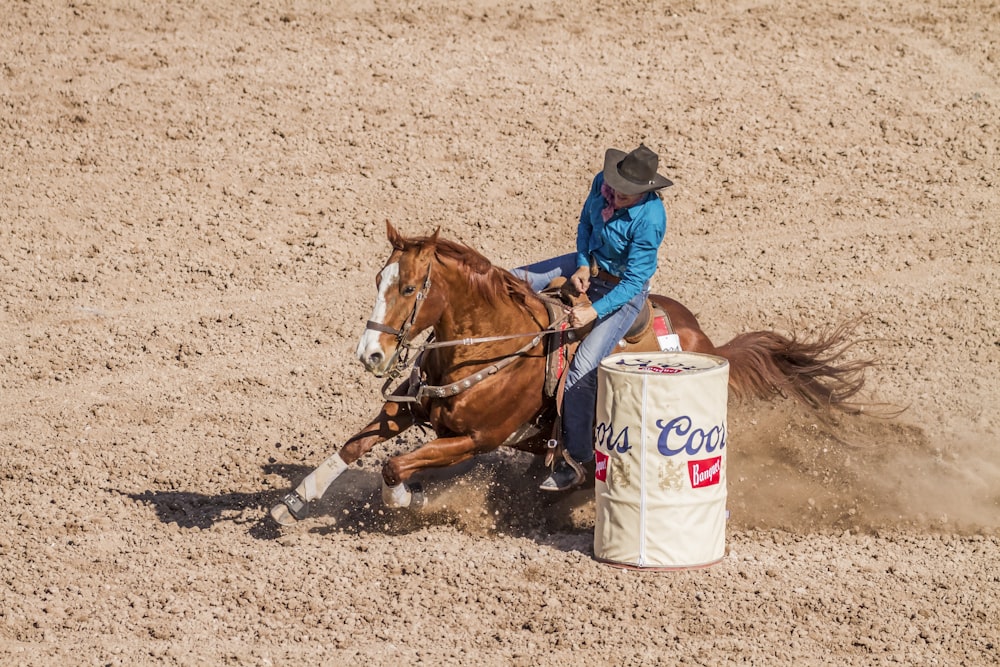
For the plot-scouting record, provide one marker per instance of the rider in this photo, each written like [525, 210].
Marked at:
[621, 227]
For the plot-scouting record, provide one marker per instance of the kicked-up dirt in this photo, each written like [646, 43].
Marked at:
[192, 208]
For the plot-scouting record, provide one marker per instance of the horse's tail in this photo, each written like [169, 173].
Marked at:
[763, 364]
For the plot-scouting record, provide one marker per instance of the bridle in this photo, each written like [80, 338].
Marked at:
[400, 359]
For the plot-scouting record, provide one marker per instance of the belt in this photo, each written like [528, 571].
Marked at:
[609, 278]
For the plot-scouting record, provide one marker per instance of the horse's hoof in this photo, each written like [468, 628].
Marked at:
[396, 496]
[291, 509]
[404, 496]
[418, 500]
[282, 516]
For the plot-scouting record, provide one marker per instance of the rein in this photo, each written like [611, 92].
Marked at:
[457, 387]
[404, 348]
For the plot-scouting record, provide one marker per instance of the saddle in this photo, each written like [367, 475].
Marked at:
[560, 348]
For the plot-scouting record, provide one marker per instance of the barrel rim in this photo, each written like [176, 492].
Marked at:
[610, 362]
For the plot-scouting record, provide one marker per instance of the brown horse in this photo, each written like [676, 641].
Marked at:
[478, 380]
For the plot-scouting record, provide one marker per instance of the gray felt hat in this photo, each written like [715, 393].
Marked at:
[633, 173]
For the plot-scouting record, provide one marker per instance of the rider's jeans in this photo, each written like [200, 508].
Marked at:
[580, 393]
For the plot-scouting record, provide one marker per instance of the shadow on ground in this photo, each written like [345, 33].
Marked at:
[495, 494]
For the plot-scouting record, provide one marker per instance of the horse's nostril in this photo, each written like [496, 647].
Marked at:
[375, 359]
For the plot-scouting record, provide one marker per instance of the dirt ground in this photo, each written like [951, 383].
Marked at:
[192, 208]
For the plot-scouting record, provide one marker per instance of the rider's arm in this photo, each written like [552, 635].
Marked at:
[585, 241]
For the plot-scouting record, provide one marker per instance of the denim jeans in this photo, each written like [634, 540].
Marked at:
[580, 392]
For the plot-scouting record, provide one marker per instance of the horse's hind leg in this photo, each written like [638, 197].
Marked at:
[392, 420]
[435, 454]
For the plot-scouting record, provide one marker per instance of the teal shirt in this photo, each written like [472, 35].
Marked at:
[625, 246]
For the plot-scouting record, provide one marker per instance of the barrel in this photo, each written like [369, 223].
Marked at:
[660, 460]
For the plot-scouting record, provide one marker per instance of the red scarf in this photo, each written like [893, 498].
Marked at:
[609, 197]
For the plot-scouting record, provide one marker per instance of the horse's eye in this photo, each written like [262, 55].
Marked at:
[408, 290]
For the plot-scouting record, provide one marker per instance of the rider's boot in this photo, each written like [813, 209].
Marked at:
[566, 474]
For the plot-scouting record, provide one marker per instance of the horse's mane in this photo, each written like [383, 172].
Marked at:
[492, 283]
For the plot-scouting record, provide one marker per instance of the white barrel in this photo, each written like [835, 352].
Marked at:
[660, 447]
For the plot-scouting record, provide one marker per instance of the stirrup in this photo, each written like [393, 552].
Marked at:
[577, 467]
[551, 449]
[579, 475]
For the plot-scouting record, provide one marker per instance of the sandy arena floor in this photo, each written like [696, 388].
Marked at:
[192, 208]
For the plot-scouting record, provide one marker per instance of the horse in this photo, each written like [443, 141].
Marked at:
[478, 378]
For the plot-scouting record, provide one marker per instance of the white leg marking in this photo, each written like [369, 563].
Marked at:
[319, 480]
[369, 345]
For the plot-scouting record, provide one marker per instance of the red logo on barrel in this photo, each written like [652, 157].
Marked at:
[601, 466]
[666, 370]
[706, 472]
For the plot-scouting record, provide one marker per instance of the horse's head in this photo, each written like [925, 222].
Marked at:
[402, 309]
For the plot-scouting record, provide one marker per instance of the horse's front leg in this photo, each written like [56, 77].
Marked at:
[393, 419]
[435, 454]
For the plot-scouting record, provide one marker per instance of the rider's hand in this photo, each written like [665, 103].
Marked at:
[581, 315]
[581, 279]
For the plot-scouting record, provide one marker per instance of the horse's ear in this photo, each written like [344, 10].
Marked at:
[434, 237]
[395, 238]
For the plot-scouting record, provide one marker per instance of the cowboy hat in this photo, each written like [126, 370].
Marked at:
[633, 173]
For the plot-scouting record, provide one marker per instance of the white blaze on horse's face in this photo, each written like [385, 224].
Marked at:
[370, 350]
